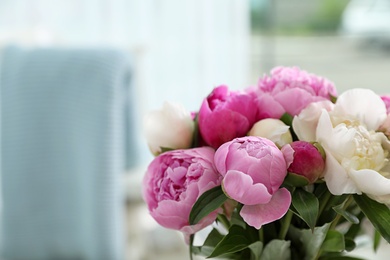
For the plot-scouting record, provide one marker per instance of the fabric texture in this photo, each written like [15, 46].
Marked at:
[64, 124]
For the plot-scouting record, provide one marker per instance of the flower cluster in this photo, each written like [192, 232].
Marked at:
[286, 155]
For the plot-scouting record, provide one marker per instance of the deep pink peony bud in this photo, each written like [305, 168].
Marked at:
[308, 160]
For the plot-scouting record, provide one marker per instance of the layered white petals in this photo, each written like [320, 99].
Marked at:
[371, 182]
[170, 127]
[305, 124]
[364, 105]
[337, 178]
[357, 154]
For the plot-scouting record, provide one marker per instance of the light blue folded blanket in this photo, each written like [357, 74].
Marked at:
[64, 114]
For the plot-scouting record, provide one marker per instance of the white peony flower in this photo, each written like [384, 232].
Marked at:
[357, 155]
[171, 127]
[305, 124]
[272, 129]
[385, 127]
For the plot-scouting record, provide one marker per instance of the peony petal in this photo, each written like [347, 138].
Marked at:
[339, 140]
[222, 126]
[220, 158]
[371, 182]
[364, 104]
[294, 100]
[239, 186]
[172, 214]
[159, 132]
[276, 208]
[288, 154]
[305, 124]
[268, 107]
[336, 177]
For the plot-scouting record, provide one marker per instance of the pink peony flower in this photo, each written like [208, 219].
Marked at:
[174, 181]
[253, 168]
[308, 161]
[386, 99]
[225, 115]
[293, 89]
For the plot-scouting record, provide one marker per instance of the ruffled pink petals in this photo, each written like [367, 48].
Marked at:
[225, 115]
[288, 153]
[293, 89]
[240, 187]
[261, 214]
[171, 214]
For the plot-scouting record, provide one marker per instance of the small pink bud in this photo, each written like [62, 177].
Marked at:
[308, 161]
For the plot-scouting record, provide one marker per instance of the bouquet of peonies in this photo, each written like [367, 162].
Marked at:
[283, 170]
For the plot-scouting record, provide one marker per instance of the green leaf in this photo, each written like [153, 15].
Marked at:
[233, 242]
[213, 238]
[295, 180]
[207, 203]
[306, 204]
[195, 136]
[341, 257]
[333, 99]
[354, 229]
[166, 149]
[256, 250]
[377, 213]
[236, 219]
[209, 244]
[287, 119]
[277, 249]
[307, 241]
[347, 215]
[334, 242]
[377, 240]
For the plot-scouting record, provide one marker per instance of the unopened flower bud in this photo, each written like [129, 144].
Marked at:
[308, 161]
[272, 129]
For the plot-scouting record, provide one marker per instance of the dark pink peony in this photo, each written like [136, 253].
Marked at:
[174, 181]
[253, 169]
[308, 160]
[289, 89]
[225, 115]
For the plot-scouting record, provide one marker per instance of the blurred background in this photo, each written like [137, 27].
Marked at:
[77, 76]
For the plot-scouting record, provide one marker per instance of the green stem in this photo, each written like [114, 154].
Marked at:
[337, 218]
[191, 245]
[319, 253]
[225, 222]
[261, 235]
[285, 225]
[324, 203]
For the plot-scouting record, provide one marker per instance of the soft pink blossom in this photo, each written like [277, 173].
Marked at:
[308, 161]
[174, 181]
[253, 169]
[225, 115]
[386, 99]
[293, 89]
